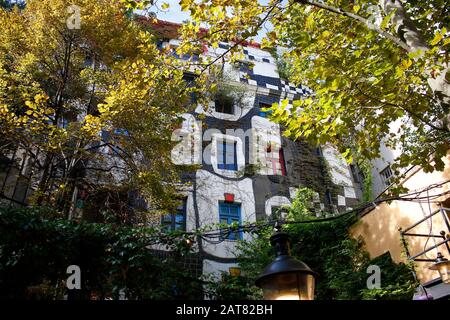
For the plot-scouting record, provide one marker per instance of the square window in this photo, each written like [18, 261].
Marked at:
[224, 103]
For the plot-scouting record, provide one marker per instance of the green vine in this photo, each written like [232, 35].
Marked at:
[328, 181]
[113, 259]
[340, 260]
[366, 169]
[302, 205]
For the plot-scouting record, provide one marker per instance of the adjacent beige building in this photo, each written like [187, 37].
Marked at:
[379, 226]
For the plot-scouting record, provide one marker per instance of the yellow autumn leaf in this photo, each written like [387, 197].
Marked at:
[406, 63]
[437, 38]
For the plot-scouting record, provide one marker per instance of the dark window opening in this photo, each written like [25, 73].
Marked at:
[175, 221]
[246, 67]
[328, 199]
[319, 152]
[355, 173]
[224, 104]
[190, 78]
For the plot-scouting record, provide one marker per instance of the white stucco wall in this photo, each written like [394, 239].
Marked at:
[210, 191]
[268, 133]
[387, 158]
[340, 172]
[276, 201]
[189, 149]
[216, 268]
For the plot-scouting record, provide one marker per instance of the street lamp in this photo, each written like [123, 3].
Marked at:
[286, 278]
[443, 266]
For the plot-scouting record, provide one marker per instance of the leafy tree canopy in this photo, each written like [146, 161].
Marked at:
[378, 69]
[65, 92]
[113, 259]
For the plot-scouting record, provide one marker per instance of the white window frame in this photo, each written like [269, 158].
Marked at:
[386, 176]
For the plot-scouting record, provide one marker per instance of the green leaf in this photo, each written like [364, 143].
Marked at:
[406, 63]
[437, 38]
[387, 19]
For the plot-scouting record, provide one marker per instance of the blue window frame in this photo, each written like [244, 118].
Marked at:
[328, 199]
[224, 46]
[226, 155]
[64, 123]
[189, 79]
[230, 213]
[122, 132]
[177, 220]
[319, 151]
[262, 113]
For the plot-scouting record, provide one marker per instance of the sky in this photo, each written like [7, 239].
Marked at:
[174, 14]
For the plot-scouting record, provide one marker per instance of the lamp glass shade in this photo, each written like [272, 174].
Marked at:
[443, 267]
[286, 278]
[288, 286]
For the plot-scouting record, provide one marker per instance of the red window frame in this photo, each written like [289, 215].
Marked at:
[275, 161]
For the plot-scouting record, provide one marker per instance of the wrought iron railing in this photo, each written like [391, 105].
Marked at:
[445, 236]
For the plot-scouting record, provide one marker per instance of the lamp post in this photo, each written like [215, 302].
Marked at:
[286, 278]
[443, 266]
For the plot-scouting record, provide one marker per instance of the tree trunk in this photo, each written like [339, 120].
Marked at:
[408, 32]
[42, 185]
[405, 28]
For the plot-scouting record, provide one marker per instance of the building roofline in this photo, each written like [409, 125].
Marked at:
[172, 28]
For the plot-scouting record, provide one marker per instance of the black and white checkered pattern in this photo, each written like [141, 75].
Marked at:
[247, 76]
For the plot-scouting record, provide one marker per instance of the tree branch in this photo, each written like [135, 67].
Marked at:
[263, 20]
[348, 14]
[408, 111]
[404, 26]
